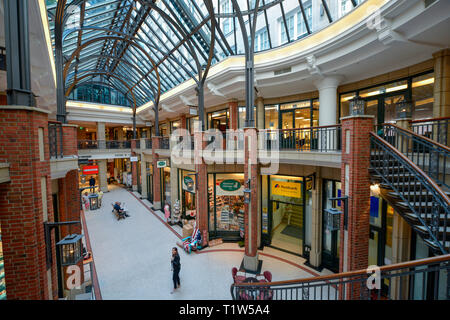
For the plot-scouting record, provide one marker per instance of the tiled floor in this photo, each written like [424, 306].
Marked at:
[132, 257]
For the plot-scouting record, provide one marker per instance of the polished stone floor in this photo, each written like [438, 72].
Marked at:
[132, 257]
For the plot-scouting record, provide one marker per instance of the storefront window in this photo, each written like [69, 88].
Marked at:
[219, 120]
[166, 185]
[241, 117]
[174, 125]
[188, 189]
[381, 100]
[191, 124]
[227, 206]
[293, 115]
[271, 117]
[163, 130]
[423, 96]
[2, 272]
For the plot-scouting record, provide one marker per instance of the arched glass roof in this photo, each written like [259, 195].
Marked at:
[120, 43]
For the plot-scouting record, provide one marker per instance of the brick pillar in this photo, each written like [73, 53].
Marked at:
[234, 114]
[156, 174]
[355, 178]
[183, 121]
[201, 169]
[69, 210]
[134, 176]
[70, 144]
[251, 171]
[25, 205]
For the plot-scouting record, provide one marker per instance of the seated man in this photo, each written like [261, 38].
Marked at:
[119, 209]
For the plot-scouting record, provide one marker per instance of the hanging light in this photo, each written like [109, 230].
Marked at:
[357, 106]
[70, 249]
[403, 109]
[333, 219]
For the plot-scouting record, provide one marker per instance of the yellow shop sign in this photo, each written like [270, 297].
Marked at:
[286, 189]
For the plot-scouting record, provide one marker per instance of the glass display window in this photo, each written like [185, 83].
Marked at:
[226, 194]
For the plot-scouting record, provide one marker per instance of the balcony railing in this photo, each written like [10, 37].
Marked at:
[148, 143]
[433, 158]
[319, 139]
[55, 137]
[407, 280]
[434, 129]
[104, 144]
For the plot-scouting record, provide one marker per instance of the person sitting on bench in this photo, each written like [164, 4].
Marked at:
[119, 210]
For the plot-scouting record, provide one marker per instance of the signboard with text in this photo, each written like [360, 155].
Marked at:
[87, 170]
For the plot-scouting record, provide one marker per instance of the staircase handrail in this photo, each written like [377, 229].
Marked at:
[439, 197]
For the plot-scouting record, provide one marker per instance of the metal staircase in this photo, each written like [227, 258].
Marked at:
[413, 176]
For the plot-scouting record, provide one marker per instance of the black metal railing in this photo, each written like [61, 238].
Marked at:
[434, 129]
[55, 139]
[164, 143]
[148, 143]
[320, 139]
[428, 204]
[403, 281]
[104, 144]
[3, 58]
[431, 157]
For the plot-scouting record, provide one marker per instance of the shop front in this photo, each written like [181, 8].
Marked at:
[164, 168]
[286, 214]
[187, 190]
[330, 239]
[2, 271]
[149, 177]
[226, 206]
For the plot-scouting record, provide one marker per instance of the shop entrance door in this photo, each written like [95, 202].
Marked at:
[330, 239]
[150, 187]
[288, 227]
[383, 107]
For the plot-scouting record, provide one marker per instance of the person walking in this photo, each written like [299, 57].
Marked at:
[92, 184]
[176, 266]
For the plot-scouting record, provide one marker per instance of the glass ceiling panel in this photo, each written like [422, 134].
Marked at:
[279, 22]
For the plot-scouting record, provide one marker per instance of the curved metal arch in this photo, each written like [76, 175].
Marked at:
[88, 58]
[90, 71]
[110, 84]
[103, 73]
[85, 44]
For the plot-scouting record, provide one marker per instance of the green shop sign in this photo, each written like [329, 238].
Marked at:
[230, 185]
[188, 183]
[161, 164]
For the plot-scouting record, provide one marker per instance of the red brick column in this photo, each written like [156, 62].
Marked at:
[201, 169]
[234, 114]
[355, 180]
[134, 176]
[22, 213]
[70, 141]
[156, 174]
[69, 210]
[183, 121]
[251, 171]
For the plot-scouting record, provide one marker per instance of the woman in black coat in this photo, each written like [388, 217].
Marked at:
[176, 266]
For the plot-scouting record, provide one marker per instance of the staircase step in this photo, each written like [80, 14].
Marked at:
[431, 244]
[427, 205]
[425, 217]
[423, 230]
[409, 194]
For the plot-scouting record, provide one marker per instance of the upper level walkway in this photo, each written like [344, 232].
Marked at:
[132, 257]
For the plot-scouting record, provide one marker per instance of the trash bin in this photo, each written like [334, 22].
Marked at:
[93, 201]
